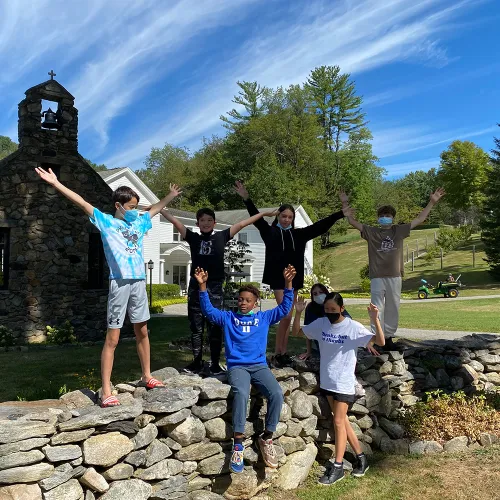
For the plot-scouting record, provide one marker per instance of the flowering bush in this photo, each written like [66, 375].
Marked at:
[312, 279]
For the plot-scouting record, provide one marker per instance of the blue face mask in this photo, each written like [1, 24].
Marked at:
[385, 221]
[284, 228]
[130, 215]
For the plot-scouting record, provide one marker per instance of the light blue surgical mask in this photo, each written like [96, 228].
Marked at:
[284, 228]
[130, 215]
[385, 221]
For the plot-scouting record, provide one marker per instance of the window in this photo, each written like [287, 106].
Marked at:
[177, 236]
[4, 257]
[243, 237]
[96, 262]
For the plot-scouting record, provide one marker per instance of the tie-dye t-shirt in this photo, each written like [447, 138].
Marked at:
[122, 242]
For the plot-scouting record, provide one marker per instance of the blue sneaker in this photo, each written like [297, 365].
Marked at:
[236, 464]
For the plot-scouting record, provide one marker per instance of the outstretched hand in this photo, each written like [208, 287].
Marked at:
[48, 177]
[241, 190]
[344, 197]
[371, 349]
[271, 213]
[201, 275]
[348, 212]
[289, 273]
[175, 190]
[437, 195]
[373, 312]
[301, 304]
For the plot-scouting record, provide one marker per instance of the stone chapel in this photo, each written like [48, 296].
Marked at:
[52, 261]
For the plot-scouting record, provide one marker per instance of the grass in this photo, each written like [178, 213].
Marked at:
[472, 475]
[479, 315]
[343, 262]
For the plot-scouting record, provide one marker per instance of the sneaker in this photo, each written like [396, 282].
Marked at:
[332, 475]
[285, 360]
[217, 369]
[361, 467]
[194, 368]
[390, 345]
[236, 464]
[274, 362]
[268, 452]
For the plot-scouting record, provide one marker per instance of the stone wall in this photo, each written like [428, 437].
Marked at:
[175, 443]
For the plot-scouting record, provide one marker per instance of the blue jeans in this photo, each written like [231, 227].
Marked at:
[240, 378]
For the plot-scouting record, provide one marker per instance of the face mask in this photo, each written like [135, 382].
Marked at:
[333, 317]
[130, 215]
[320, 299]
[284, 228]
[385, 221]
[251, 313]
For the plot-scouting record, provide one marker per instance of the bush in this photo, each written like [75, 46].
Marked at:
[432, 253]
[365, 285]
[165, 291]
[449, 239]
[442, 416]
[364, 272]
[7, 338]
[62, 334]
[312, 279]
[158, 305]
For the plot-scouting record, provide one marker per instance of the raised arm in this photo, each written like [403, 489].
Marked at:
[260, 223]
[158, 207]
[344, 198]
[296, 328]
[320, 227]
[379, 338]
[51, 178]
[236, 228]
[209, 311]
[175, 222]
[276, 314]
[435, 197]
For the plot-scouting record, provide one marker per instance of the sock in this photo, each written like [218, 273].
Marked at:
[238, 440]
[267, 435]
[338, 464]
[360, 455]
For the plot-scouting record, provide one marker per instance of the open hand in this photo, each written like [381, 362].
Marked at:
[373, 312]
[289, 273]
[175, 190]
[301, 304]
[348, 211]
[48, 177]
[371, 349]
[201, 275]
[271, 213]
[241, 190]
[344, 197]
[437, 195]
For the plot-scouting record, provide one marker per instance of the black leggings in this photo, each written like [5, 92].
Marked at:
[197, 321]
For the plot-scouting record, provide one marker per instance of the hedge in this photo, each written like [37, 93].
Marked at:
[158, 305]
[165, 291]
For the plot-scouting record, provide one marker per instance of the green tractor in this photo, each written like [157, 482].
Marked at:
[446, 288]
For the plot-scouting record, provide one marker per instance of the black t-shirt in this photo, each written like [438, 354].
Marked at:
[207, 252]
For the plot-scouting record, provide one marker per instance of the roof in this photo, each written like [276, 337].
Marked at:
[50, 86]
[108, 173]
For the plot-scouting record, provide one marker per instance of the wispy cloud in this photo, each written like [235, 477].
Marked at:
[399, 140]
[358, 38]
[399, 169]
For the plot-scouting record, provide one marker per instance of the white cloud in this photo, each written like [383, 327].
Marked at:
[400, 169]
[358, 38]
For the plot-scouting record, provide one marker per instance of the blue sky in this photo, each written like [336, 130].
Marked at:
[146, 72]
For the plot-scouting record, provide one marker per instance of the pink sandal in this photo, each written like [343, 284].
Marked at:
[109, 402]
[153, 383]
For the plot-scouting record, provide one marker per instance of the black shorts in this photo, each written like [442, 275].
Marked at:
[350, 399]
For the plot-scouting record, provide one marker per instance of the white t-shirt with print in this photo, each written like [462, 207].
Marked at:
[338, 345]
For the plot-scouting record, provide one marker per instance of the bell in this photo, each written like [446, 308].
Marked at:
[50, 119]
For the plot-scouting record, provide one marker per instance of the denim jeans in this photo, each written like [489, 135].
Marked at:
[240, 378]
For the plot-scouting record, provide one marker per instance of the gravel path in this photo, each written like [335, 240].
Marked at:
[408, 333]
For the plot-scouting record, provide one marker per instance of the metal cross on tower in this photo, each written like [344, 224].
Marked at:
[52, 74]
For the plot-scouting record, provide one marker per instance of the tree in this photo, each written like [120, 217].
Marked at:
[248, 97]
[463, 172]
[7, 146]
[490, 223]
[97, 168]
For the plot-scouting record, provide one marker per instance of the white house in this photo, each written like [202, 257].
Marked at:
[170, 254]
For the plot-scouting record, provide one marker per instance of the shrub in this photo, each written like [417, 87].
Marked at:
[311, 279]
[7, 338]
[442, 417]
[158, 305]
[449, 239]
[364, 272]
[165, 291]
[62, 334]
[365, 285]
[432, 253]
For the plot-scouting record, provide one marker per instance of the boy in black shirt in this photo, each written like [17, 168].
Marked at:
[207, 252]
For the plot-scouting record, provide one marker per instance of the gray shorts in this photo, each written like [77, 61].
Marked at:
[127, 296]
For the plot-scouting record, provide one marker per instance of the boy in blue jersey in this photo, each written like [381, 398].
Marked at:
[245, 338]
[122, 236]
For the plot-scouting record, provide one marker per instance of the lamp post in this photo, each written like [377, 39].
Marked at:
[151, 266]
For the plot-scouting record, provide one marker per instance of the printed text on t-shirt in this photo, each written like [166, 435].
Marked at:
[333, 338]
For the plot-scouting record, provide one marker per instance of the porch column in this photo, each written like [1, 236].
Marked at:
[188, 273]
[162, 272]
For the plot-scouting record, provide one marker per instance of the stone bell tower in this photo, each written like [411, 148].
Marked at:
[52, 263]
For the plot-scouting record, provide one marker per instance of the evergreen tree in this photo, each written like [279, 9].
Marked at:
[491, 214]
[249, 97]
[7, 146]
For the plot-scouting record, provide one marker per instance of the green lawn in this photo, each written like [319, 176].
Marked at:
[343, 262]
[482, 315]
[466, 476]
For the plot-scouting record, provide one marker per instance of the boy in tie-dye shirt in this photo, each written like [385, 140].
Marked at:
[122, 235]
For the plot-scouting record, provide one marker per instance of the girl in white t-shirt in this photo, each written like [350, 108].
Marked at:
[339, 338]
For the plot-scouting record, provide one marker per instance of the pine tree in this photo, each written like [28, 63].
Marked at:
[249, 97]
[491, 214]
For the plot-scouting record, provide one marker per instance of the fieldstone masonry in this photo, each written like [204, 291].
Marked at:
[48, 258]
[175, 443]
